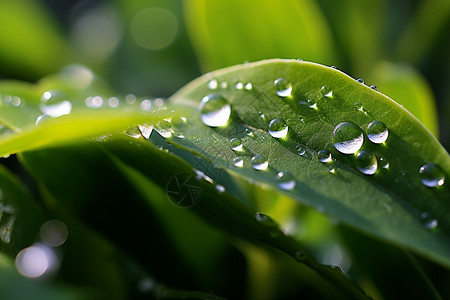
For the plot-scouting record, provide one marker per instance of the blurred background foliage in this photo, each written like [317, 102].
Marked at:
[153, 48]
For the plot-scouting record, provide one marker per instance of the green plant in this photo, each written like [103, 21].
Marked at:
[272, 179]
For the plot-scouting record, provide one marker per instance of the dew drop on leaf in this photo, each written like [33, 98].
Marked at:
[428, 221]
[326, 91]
[54, 104]
[239, 86]
[164, 128]
[248, 86]
[301, 150]
[431, 175]
[236, 144]
[300, 256]
[213, 84]
[220, 188]
[383, 162]
[285, 181]
[283, 87]
[311, 103]
[360, 80]
[324, 156]
[259, 163]
[278, 128]
[377, 132]
[374, 87]
[347, 137]
[215, 110]
[238, 162]
[366, 162]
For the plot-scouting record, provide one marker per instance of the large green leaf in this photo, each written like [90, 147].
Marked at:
[267, 29]
[392, 204]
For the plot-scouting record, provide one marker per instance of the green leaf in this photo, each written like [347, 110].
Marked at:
[391, 204]
[35, 122]
[266, 30]
[404, 84]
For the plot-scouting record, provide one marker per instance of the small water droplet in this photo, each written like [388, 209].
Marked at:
[249, 132]
[239, 85]
[285, 181]
[220, 188]
[224, 85]
[262, 218]
[301, 150]
[278, 128]
[334, 67]
[259, 163]
[133, 132]
[377, 132]
[428, 221]
[311, 103]
[283, 87]
[213, 84]
[146, 105]
[326, 91]
[374, 87]
[238, 162]
[215, 110]
[332, 170]
[360, 80]
[164, 128]
[300, 256]
[159, 103]
[366, 162]
[113, 102]
[360, 107]
[248, 86]
[324, 156]
[130, 98]
[347, 137]
[262, 116]
[431, 175]
[145, 130]
[301, 119]
[55, 104]
[236, 144]
[384, 163]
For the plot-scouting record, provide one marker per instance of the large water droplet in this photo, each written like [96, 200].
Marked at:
[54, 104]
[236, 144]
[259, 163]
[377, 132]
[366, 162]
[326, 91]
[283, 87]
[278, 128]
[431, 175]
[215, 110]
[347, 137]
[324, 156]
[238, 162]
[285, 181]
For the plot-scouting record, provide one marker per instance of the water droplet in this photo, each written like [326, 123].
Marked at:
[262, 218]
[283, 87]
[238, 162]
[324, 156]
[133, 132]
[374, 87]
[35, 261]
[377, 132]
[262, 116]
[248, 86]
[278, 128]
[285, 181]
[360, 80]
[213, 84]
[220, 188]
[360, 107]
[130, 98]
[428, 221]
[326, 91]
[41, 119]
[159, 102]
[224, 85]
[6, 229]
[334, 67]
[301, 119]
[384, 163]
[431, 175]
[239, 85]
[311, 103]
[164, 128]
[183, 119]
[332, 170]
[146, 105]
[259, 163]
[301, 150]
[145, 130]
[366, 162]
[300, 256]
[347, 137]
[54, 233]
[54, 104]
[113, 102]
[236, 144]
[249, 132]
[215, 110]
[94, 102]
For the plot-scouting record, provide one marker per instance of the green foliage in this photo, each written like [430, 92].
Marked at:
[238, 185]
